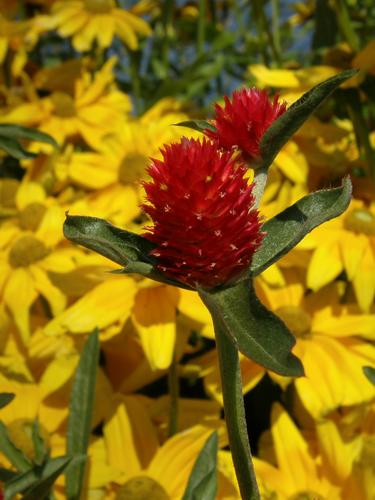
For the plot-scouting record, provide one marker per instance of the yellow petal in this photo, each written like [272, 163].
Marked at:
[364, 280]
[99, 472]
[52, 294]
[192, 306]
[325, 266]
[50, 228]
[292, 452]
[29, 192]
[338, 455]
[129, 436]
[107, 303]
[154, 316]
[352, 247]
[172, 464]
[57, 373]
[19, 294]
[284, 78]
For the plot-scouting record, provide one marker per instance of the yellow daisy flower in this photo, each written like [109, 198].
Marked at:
[328, 334]
[89, 21]
[346, 243]
[298, 471]
[95, 108]
[30, 255]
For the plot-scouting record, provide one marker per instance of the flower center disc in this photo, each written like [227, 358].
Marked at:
[99, 6]
[63, 104]
[32, 215]
[132, 168]
[26, 251]
[296, 319]
[141, 488]
[360, 220]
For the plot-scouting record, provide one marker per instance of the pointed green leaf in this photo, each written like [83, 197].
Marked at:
[81, 408]
[114, 243]
[14, 149]
[123, 247]
[6, 398]
[6, 475]
[31, 134]
[37, 482]
[369, 372]
[13, 454]
[203, 478]
[284, 127]
[289, 227]
[40, 449]
[256, 331]
[198, 125]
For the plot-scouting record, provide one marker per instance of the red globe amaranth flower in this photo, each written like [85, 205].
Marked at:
[205, 227]
[242, 122]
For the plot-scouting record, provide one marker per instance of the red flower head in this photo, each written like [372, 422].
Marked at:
[205, 227]
[242, 122]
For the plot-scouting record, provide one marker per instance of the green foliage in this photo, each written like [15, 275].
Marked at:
[289, 227]
[81, 409]
[256, 331]
[6, 398]
[123, 247]
[36, 483]
[198, 125]
[369, 372]
[10, 450]
[203, 478]
[10, 135]
[287, 124]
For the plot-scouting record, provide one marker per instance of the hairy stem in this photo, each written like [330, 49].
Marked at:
[260, 180]
[234, 411]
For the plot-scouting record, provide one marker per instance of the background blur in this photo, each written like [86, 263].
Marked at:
[108, 80]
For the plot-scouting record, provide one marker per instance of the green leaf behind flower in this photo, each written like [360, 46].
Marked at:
[36, 483]
[198, 125]
[6, 398]
[11, 134]
[123, 247]
[256, 331]
[289, 227]
[203, 478]
[287, 124]
[81, 407]
[369, 372]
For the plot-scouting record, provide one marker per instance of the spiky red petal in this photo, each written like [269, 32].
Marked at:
[205, 227]
[242, 122]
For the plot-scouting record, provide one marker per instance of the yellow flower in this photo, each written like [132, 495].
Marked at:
[31, 256]
[95, 108]
[329, 334]
[299, 473]
[132, 443]
[89, 21]
[346, 243]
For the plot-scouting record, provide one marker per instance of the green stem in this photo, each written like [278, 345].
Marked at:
[136, 83]
[167, 18]
[345, 24]
[260, 180]
[234, 411]
[201, 27]
[361, 128]
[276, 26]
[173, 395]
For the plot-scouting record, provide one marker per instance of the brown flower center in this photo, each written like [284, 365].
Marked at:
[32, 215]
[99, 6]
[63, 104]
[296, 319]
[26, 251]
[360, 220]
[141, 488]
[132, 168]
[21, 433]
